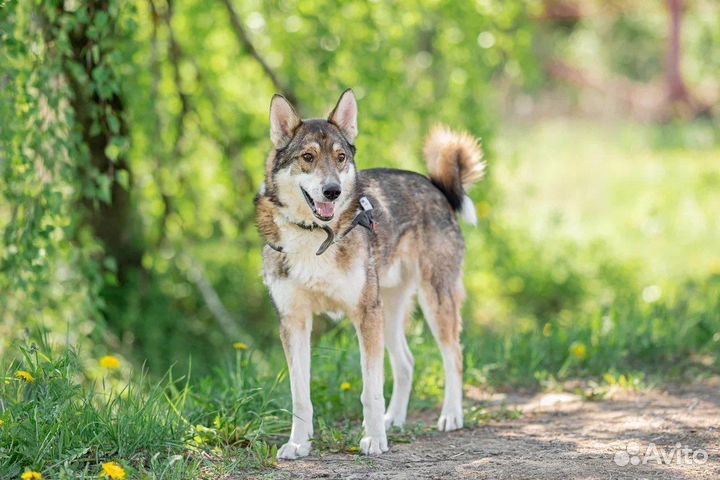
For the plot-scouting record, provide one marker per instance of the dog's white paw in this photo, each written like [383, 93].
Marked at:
[392, 420]
[450, 422]
[292, 450]
[373, 445]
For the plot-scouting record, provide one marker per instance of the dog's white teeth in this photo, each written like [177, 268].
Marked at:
[325, 209]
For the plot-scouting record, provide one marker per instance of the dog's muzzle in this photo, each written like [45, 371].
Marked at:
[324, 211]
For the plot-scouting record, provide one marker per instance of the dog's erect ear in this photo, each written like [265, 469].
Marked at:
[344, 115]
[283, 121]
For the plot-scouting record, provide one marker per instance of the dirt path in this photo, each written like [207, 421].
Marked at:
[558, 436]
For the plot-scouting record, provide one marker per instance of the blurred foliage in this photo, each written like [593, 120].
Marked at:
[134, 136]
[47, 275]
[132, 140]
[202, 115]
[613, 58]
[188, 142]
[642, 62]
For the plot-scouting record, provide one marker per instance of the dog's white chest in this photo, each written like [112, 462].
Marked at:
[323, 274]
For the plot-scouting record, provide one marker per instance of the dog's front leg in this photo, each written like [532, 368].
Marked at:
[369, 327]
[295, 331]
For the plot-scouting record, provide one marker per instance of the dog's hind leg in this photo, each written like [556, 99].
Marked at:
[396, 308]
[441, 304]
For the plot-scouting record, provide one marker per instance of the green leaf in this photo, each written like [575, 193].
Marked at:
[110, 263]
[113, 123]
[103, 191]
[123, 179]
[101, 20]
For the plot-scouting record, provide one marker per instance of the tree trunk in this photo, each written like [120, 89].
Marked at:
[677, 90]
[100, 119]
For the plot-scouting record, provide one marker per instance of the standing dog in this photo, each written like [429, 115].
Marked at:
[319, 258]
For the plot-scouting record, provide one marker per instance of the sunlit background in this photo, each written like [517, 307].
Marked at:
[134, 135]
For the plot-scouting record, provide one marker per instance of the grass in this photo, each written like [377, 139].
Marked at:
[66, 425]
[59, 423]
[649, 193]
[564, 286]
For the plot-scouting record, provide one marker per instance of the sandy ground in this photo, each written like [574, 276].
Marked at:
[559, 436]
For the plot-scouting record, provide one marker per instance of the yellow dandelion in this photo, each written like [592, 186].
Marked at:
[345, 386]
[113, 471]
[547, 329]
[25, 375]
[2, 423]
[109, 362]
[30, 475]
[240, 346]
[578, 350]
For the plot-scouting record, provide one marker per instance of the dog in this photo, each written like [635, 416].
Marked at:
[363, 243]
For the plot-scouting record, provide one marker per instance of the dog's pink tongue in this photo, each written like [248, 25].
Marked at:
[325, 209]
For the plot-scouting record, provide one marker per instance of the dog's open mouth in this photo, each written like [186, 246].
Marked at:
[323, 210]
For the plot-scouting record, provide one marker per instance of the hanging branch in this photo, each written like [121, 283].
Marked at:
[155, 146]
[247, 44]
[230, 145]
[175, 54]
[228, 324]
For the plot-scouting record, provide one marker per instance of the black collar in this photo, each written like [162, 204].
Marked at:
[364, 218]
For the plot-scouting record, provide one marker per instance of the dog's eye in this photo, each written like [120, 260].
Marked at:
[307, 157]
[341, 157]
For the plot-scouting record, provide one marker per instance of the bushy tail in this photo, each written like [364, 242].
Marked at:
[455, 163]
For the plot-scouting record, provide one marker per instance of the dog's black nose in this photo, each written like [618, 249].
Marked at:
[331, 191]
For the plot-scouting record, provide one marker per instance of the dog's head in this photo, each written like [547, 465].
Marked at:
[311, 172]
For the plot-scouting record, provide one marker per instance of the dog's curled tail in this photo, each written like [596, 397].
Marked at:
[455, 163]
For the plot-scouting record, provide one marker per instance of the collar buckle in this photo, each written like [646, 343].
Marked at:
[364, 218]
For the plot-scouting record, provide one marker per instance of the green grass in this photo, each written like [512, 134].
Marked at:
[66, 425]
[564, 283]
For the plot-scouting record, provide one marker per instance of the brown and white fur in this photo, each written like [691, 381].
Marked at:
[312, 180]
